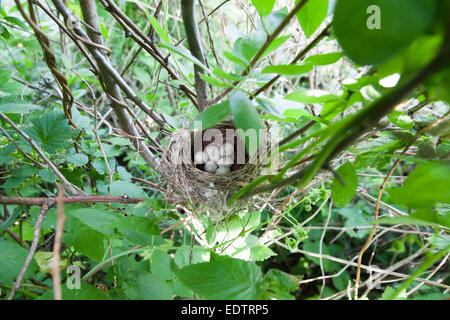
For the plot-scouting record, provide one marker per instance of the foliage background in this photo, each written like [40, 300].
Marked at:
[295, 242]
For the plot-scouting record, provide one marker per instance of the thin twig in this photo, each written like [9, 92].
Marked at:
[33, 247]
[380, 193]
[72, 189]
[428, 277]
[60, 221]
[365, 267]
[322, 237]
[195, 47]
[298, 57]
[261, 50]
[75, 199]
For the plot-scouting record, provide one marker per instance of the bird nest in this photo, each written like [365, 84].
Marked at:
[188, 166]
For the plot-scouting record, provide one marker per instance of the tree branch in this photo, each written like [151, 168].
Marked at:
[60, 221]
[76, 199]
[145, 42]
[112, 79]
[195, 46]
[355, 126]
[299, 56]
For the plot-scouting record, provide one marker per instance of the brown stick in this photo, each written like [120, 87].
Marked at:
[76, 199]
[61, 220]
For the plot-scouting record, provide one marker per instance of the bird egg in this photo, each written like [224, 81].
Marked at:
[213, 153]
[227, 150]
[225, 161]
[201, 157]
[211, 166]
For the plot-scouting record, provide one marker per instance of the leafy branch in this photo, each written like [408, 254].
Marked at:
[76, 199]
[195, 46]
[261, 51]
[353, 127]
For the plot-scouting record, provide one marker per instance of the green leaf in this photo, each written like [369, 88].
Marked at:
[140, 224]
[104, 31]
[233, 58]
[341, 282]
[124, 174]
[311, 15]
[44, 261]
[440, 241]
[213, 115]
[298, 113]
[356, 216]
[12, 258]
[343, 194]
[77, 159]
[247, 46]
[372, 31]
[10, 221]
[184, 53]
[280, 285]
[84, 239]
[387, 294]
[50, 131]
[141, 238]
[99, 165]
[4, 32]
[312, 96]
[5, 75]
[18, 108]
[12, 104]
[324, 59]
[160, 264]
[437, 85]
[287, 69]
[86, 292]
[314, 246]
[261, 253]
[401, 119]
[422, 217]
[424, 187]
[268, 106]
[148, 286]
[121, 188]
[264, 7]
[275, 44]
[97, 219]
[183, 258]
[272, 21]
[215, 82]
[159, 30]
[225, 75]
[246, 118]
[223, 278]
[48, 175]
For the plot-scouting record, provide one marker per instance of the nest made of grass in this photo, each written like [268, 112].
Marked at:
[189, 183]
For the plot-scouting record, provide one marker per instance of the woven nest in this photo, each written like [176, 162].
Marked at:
[188, 180]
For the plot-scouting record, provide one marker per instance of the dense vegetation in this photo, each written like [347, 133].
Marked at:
[355, 94]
